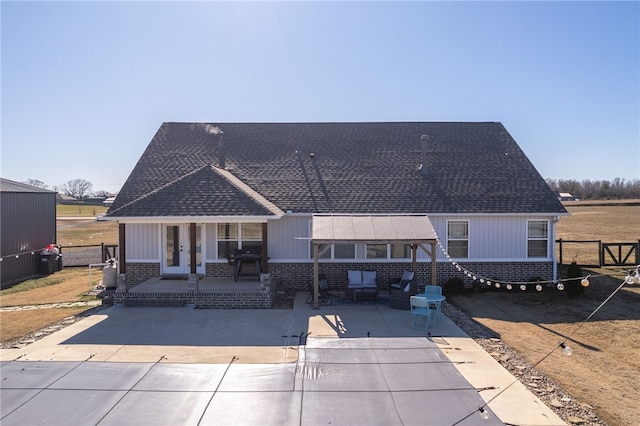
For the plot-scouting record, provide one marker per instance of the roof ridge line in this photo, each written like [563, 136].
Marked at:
[250, 192]
[160, 188]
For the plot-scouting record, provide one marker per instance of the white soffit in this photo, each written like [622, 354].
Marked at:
[362, 228]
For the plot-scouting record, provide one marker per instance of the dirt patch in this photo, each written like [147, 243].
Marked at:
[603, 369]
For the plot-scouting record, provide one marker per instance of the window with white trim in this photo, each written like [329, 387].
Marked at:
[537, 238]
[400, 251]
[458, 238]
[388, 251]
[239, 236]
[336, 251]
[377, 251]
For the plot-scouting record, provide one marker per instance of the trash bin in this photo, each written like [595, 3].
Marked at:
[50, 260]
[47, 263]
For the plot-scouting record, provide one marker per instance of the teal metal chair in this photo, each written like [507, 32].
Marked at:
[435, 304]
[420, 312]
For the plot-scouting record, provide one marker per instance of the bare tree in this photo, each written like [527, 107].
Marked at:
[77, 188]
[37, 183]
[619, 188]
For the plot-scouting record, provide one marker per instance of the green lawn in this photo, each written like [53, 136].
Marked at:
[79, 210]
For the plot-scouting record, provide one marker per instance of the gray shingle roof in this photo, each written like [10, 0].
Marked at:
[334, 168]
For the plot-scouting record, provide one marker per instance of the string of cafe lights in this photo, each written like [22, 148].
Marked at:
[632, 277]
[510, 285]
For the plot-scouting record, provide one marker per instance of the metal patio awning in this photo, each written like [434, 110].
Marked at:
[329, 229]
[415, 230]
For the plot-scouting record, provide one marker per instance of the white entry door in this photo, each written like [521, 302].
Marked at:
[177, 255]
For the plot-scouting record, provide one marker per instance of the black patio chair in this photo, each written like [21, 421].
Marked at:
[324, 295]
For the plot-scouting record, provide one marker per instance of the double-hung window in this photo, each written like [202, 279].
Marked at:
[458, 238]
[239, 236]
[537, 238]
[335, 251]
[388, 251]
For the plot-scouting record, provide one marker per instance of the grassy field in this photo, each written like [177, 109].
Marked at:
[609, 224]
[80, 210]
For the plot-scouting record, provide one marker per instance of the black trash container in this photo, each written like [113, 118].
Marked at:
[47, 263]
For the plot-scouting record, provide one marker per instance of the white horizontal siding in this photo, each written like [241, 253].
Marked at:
[494, 237]
[143, 241]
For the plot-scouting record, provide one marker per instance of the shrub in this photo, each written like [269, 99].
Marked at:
[453, 286]
[572, 285]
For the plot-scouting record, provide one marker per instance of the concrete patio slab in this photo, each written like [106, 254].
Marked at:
[287, 365]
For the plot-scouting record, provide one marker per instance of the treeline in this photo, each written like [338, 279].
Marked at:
[617, 189]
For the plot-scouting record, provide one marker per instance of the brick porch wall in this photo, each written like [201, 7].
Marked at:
[222, 300]
[140, 272]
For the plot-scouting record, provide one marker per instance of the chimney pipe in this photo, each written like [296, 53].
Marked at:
[221, 152]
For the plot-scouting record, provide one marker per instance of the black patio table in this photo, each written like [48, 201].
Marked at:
[244, 258]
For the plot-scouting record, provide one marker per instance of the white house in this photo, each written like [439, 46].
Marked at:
[202, 192]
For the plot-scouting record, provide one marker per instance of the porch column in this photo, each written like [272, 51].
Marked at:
[414, 257]
[316, 270]
[265, 253]
[121, 248]
[432, 253]
[434, 275]
[192, 246]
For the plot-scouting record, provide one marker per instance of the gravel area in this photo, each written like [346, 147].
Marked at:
[564, 405]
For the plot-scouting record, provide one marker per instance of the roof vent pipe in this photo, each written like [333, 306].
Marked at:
[424, 143]
[221, 152]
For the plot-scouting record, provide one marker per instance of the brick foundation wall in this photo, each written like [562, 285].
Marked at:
[296, 276]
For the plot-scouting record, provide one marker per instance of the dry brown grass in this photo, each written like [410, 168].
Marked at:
[85, 232]
[15, 325]
[610, 224]
[603, 370]
[68, 285]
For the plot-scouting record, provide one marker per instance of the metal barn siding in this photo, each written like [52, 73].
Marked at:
[28, 224]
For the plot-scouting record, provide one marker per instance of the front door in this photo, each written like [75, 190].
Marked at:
[176, 253]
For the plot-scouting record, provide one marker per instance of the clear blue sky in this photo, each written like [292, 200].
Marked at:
[85, 85]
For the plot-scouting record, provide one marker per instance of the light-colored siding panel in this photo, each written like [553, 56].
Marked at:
[491, 237]
[210, 231]
[289, 238]
[143, 241]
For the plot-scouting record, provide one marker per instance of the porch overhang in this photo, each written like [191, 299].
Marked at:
[414, 230]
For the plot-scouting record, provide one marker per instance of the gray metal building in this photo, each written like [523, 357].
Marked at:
[27, 226]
